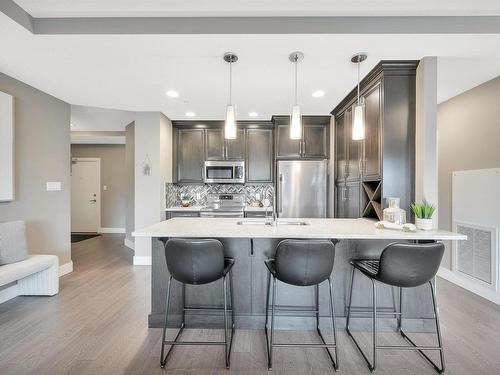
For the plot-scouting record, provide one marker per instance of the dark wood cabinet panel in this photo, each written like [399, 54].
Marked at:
[340, 147]
[315, 144]
[383, 164]
[235, 148]
[286, 147]
[352, 210]
[190, 155]
[259, 155]
[370, 163]
[340, 201]
[354, 149]
[214, 144]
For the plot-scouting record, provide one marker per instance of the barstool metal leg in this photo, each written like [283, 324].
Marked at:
[439, 338]
[334, 328]
[267, 298]
[374, 323]
[372, 368]
[400, 316]
[273, 312]
[349, 302]
[164, 358]
[226, 352]
[438, 327]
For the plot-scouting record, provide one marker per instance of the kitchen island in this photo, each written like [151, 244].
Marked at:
[250, 242]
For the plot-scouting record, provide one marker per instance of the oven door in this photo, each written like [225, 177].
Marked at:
[221, 214]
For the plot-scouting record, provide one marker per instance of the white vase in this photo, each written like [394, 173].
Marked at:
[423, 224]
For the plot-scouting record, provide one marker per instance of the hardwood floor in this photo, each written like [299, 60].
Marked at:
[98, 325]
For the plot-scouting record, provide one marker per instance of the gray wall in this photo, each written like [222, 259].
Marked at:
[113, 175]
[129, 183]
[42, 153]
[468, 138]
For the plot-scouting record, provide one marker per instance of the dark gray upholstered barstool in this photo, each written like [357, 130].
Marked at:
[403, 265]
[198, 262]
[301, 263]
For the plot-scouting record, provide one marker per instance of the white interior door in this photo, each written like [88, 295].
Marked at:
[85, 195]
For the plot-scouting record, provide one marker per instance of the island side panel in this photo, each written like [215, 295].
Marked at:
[250, 280]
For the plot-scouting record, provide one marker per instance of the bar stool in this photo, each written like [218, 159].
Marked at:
[198, 262]
[402, 265]
[301, 263]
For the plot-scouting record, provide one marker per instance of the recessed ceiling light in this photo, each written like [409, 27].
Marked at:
[172, 94]
[318, 94]
[190, 114]
[253, 114]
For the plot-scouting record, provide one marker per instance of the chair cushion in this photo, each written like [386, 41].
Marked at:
[13, 246]
[19, 270]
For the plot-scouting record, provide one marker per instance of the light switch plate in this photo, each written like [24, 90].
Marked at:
[54, 186]
[105, 187]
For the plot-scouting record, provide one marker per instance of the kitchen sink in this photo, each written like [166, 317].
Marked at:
[255, 222]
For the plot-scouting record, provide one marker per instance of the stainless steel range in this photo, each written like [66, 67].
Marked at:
[224, 205]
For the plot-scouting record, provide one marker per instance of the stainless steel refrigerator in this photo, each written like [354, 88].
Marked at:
[302, 188]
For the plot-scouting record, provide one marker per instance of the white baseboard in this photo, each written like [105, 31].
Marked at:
[142, 261]
[129, 244]
[65, 268]
[469, 285]
[112, 230]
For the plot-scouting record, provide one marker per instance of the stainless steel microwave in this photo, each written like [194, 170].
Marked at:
[225, 172]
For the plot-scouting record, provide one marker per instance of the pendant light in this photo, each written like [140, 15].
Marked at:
[358, 113]
[296, 118]
[230, 126]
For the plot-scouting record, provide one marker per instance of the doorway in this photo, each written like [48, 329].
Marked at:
[85, 195]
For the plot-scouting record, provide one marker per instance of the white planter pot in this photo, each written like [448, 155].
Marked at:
[423, 224]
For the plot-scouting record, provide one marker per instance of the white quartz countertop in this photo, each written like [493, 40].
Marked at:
[198, 208]
[316, 228]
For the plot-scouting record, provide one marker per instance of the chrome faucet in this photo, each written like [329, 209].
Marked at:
[273, 215]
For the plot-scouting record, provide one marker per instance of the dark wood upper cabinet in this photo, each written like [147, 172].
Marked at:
[315, 138]
[371, 160]
[354, 149]
[340, 147]
[235, 148]
[190, 156]
[214, 144]
[286, 147]
[259, 155]
[219, 148]
[195, 142]
[315, 144]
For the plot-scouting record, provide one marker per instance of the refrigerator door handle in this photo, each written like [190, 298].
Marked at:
[280, 193]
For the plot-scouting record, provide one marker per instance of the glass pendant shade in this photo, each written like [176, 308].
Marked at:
[230, 126]
[358, 122]
[296, 123]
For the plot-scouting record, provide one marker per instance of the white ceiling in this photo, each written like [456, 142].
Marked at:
[91, 118]
[159, 8]
[132, 72]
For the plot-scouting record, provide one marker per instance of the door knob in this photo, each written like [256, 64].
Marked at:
[93, 200]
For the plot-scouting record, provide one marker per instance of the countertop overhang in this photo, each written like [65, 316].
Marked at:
[316, 228]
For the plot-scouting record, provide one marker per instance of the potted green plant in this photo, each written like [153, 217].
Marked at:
[185, 200]
[423, 214]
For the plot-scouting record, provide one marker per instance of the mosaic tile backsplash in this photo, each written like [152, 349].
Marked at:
[199, 192]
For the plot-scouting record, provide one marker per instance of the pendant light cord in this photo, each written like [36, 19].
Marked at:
[358, 78]
[230, 82]
[296, 101]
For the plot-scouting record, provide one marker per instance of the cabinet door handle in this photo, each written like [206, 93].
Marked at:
[303, 148]
[251, 247]
[280, 191]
